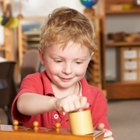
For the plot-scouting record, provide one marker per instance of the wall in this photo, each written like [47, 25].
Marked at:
[44, 7]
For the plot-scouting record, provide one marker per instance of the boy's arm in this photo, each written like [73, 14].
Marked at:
[31, 104]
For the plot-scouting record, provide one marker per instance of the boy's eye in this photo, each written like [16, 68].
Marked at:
[58, 61]
[79, 62]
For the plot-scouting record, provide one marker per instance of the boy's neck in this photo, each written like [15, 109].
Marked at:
[61, 93]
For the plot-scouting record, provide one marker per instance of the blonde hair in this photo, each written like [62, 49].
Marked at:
[66, 24]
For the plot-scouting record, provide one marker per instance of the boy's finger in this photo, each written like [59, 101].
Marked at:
[107, 133]
[101, 126]
[83, 101]
[110, 138]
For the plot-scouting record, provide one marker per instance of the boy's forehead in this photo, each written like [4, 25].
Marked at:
[71, 49]
[68, 45]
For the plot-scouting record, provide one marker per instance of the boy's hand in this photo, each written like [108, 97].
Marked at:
[107, 133]
[71, 103]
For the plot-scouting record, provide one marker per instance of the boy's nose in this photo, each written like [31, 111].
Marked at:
[67, 69]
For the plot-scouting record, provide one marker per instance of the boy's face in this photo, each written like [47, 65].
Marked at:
[67, 66]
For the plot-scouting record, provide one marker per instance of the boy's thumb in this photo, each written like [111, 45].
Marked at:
[101, 126]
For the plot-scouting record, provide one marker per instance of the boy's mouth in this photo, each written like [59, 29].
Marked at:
[65, 79]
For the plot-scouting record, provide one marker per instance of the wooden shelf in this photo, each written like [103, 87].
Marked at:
[33, 18]
[119, 90]
[123, 90]
[131, 11]
[122, 83]
[2, 48]
[120, 44]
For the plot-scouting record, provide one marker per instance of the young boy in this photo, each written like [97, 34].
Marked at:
[67, 45]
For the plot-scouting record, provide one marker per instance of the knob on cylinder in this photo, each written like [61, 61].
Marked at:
[35, 125]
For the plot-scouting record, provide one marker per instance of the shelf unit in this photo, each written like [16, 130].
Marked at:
[94, 68]
[32, 38]
[7, 48]
[24, 38]
[94, 71]
[118, 89]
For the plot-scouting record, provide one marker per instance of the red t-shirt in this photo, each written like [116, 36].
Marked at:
[40, 84]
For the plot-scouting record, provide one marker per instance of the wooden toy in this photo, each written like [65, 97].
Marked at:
[16, 132]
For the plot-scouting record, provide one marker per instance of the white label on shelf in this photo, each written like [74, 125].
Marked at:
[4, 127]
[129, 54]
[138, 2]
[130, 76]
[130, 65]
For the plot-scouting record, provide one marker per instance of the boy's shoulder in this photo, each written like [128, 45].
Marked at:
[37, 75]
[90, 91]
[38, 78]
[37, 82]
[88, 87]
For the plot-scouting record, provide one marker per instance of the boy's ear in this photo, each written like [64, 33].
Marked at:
[91, 55]
[41, 54]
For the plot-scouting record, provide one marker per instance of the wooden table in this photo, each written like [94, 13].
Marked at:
[11, 132]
